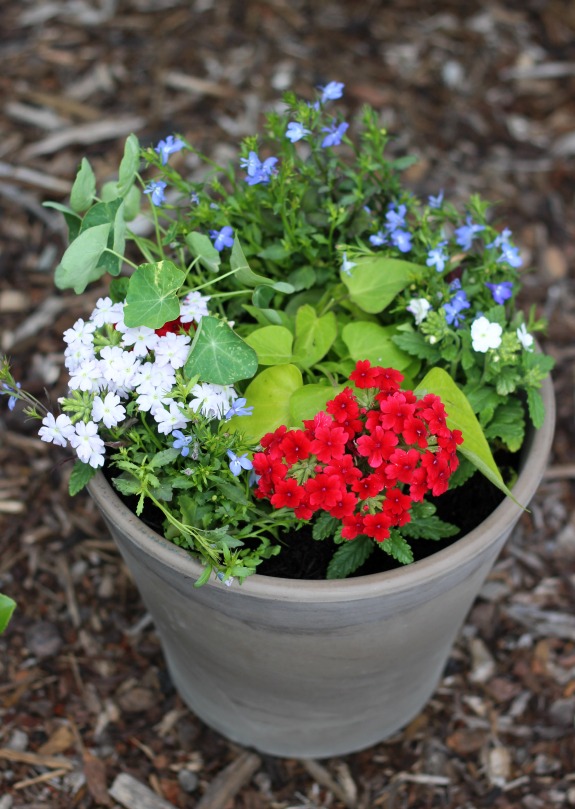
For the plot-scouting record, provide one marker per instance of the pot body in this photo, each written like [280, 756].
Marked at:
[310, 669]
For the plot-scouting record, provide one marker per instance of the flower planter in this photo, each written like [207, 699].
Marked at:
[315, 668]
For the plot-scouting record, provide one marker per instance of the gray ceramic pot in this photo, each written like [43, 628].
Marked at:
[314, 668]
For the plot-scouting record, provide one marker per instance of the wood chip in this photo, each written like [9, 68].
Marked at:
[134, 795]
[193, 84]
[35, 759]
[94, 132]
[229, 781]
[38, 179]
[325, 779]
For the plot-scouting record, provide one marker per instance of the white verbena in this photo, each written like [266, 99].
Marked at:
[485, 335]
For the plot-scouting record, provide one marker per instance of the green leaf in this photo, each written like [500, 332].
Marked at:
[314, 336]
[460, 416]
[536, 407]
[308, 400]
[376, 280]
[218, 355]
[129, 165]
[245, 275]
[272, 344]
[164, 457]
[84, 188]
[370, 341]
[269, 393]
[82, 473]
[324, 526]
[414, 343]
[508, 424]
[81, 262]
[349, 557]
[202, 248]
[7, 607]
[431, 527]
[73, 221]
[152, 295]
[396, 547]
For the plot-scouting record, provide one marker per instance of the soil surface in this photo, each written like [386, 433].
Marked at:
[486, 99]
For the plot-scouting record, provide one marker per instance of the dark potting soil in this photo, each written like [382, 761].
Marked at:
[302, 557]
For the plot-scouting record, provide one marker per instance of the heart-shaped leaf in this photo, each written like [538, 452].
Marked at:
[272, 344]
[218, 355]
[152, 300]
[369, 341]
[314, 336]
[81, 262]
[374, 281]
[270, 394]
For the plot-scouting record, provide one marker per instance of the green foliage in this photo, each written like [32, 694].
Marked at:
[397, 547]
[218, 355]
[349, 557]
[7, 607]
[82, 474]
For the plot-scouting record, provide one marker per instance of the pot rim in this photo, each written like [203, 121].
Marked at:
[439, 564]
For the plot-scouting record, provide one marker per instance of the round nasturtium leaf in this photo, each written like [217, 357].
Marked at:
[218, 355]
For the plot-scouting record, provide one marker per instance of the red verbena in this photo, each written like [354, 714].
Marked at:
[365, 460]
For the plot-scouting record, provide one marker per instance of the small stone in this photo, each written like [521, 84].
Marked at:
[483, 663]
[137, 699]
[562, 712]
[18, 741]
[499, 766]
[43, 639]
[188, 780]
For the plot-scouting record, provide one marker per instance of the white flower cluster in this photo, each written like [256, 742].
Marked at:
[142, 368]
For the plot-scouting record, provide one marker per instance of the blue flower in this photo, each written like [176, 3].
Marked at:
[437, 257]
[258, 172]
[237, 463]
[511, 256]
[156, 188]
[501, 292]
[401, 239]
[167, 147]
[436, 202]
[238, 408]
[222, 238]
[379, 238]
[502, 239]
[296, 131]
[334, 134]
[182, 442]
[454, 308]
[465, 234]
[12, 394]
[331, 91]
[395, 217]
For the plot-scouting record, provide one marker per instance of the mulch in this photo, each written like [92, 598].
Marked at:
[485, 96]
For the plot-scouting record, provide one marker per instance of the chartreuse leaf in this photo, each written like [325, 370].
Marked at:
[81, 262]
[152, 300]
[84, 188]
[375, 281]
[202, 248]
[272, 344]
[308, 400]
[314, 336]
[370, 341]
[349, 557]
[460, 416]
[7, 607]
[218, 355]
[245, 275]
[270, 394]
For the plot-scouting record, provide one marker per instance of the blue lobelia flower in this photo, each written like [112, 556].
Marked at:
[511, 256]
[401, 239]
[167, 147]
[296, 131]
[501, 292]
[238, 462]
[222, 238]
[258, 171]
[436, 202]
[437, 257]
[182, 442]
[334, 134]
[238, 408]
[156, 189]
[331, 91]
[465, 234]
[454, 308]
[12, 394]
[378, 239]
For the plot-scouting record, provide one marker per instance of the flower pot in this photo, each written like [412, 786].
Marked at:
[315, 668]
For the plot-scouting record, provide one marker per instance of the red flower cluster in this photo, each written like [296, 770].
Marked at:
[365, 459]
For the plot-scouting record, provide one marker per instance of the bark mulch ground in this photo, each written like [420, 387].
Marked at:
[486, 98]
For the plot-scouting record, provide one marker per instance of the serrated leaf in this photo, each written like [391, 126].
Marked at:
[84, 188]
[152, 300]
[536, 407]
[164, 457]
[415, 344]
[325, 526]
[508, 424]
[218, 355]
[7, 607]
[82, 473]
[429, 528]
[375, 281]
[397, 547]
[127, 485]
[349, 557]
